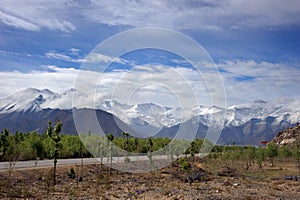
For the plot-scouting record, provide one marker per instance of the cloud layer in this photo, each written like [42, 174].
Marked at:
[35, 15]
[166, 85]
[206, 15]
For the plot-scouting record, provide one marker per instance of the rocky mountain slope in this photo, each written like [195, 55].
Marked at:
[288, 137]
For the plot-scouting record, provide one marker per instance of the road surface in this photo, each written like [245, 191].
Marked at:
[77, 161]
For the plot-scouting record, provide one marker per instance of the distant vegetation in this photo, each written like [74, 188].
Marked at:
[32, 146]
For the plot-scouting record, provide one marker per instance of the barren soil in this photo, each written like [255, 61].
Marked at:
[96, 182]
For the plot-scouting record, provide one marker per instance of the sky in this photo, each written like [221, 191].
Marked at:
[253, 48]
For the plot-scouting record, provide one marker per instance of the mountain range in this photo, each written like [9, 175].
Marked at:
[249, 123]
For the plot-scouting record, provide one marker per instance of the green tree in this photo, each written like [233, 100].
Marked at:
[260, 156]
[285, 153]
[248, 155]
[136, 143]
[271, 152]
[193, 148]
[126, 142]
[3, 143]
[54, 135]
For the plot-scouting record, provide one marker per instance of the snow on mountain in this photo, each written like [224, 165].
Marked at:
[145, 114]
[112, 106]
[287, 109]
[32, 99]
[26, 100]
[281, 109]
[142, 114]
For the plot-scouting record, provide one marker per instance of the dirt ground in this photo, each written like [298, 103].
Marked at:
[96, 182]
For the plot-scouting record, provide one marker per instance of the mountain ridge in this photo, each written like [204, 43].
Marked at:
[258, 119]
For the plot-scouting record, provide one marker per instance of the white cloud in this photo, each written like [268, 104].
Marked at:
[101, 58]
[34, 15]
[165, 85]
[73, 56]
[59, 56]
[206, 15]
[270, 80]
[17, 22]
[59, 80]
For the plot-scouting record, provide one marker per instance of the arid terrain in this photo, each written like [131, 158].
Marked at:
[216, 180]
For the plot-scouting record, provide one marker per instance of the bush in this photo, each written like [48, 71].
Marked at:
[184, 165]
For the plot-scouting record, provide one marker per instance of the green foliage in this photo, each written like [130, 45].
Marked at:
[3, 143]
[31, 146]
[54, 135]
[110, 137]
[184, 164]
[285, 152]
[260, 156]
[271, 152]
[194, 147]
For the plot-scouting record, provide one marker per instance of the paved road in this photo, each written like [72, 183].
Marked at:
[46, 163]
[77, 161]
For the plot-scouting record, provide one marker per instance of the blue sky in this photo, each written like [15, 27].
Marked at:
[255, 44]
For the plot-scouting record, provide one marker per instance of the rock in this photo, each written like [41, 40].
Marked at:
[196, 176]
[291, 178]
[288, 137]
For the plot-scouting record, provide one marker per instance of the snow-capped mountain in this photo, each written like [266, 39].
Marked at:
[27, 100]
[148, 113]
[244, 120]
[32, 99]
[281, 109]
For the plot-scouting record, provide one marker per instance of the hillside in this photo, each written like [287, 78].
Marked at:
[288, 137]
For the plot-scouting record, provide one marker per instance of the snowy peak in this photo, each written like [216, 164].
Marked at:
[112, 105]
[31, 99]
[26, 100]
[139, 114]
[240, 114]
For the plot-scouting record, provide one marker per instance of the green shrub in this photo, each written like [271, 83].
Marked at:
[184, 165]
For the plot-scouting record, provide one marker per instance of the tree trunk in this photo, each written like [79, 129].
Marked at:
[54, 171]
